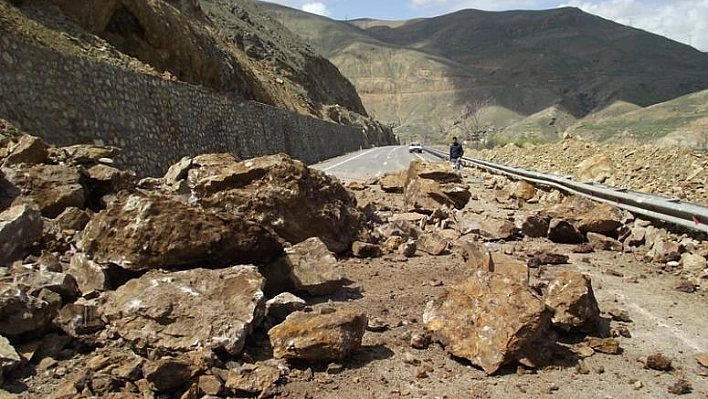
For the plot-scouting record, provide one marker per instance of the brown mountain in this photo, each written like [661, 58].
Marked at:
[435, 74]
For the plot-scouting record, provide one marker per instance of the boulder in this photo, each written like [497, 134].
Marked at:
[524, 190]
[34, 281]
[476, 255]
[25, 314]
[393, 182]
[563, 232]
[141, 232]
[432, 243]
[85, 154]
[20, 227]
[408, 249]
[306, 267]
[8, 192]
[540, 258]
[188, 310]
[280, 306]
[318, 337]
[366, 250]
[52, 187]
[73, 219]
[401, 227]
[489, 319]
[430, 186]
[102, 180]
[572, 299]
[80, 318]
[281, 193]
[91, 277]
[596, 168]
[603, 243]
[9, 359]
[169, 373]
[490, 228]
[256, 378]
[535, 226]
[29, 150]
[603, 218]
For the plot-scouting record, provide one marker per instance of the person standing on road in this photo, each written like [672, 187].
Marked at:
[456, 153]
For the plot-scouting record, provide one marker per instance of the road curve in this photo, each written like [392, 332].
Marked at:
[371, 162]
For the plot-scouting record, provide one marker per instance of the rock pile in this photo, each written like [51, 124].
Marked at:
[165, 279]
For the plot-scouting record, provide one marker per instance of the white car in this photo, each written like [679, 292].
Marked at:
[415, 147]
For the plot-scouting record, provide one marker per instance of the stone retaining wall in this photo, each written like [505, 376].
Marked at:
[69, 100]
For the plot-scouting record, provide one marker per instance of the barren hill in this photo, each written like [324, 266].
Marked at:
[420, 74]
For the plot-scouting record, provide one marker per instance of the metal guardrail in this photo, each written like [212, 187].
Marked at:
[685, 214]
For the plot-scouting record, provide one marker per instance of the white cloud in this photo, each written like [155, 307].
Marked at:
[316, 8]
[685, 21]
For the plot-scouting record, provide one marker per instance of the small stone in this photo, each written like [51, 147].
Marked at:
[377, 325]
[334, 368]
[421, 340]
[410, 359]
[421, 373]
[620, 315]
[681, 387]
[658, 362]
[702, 359]
[685, 286]
[609, 346]
[637, 385]
[581, 368]
[584, 351]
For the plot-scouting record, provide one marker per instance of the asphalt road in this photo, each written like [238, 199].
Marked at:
[365, 164]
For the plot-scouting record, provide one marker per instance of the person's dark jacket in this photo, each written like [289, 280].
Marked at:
[456, 151]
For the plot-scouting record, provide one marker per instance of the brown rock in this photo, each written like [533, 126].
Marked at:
[524, 190]
[318, 336]
[280, 306]
[603, 218]
[658, 362]
[693, 263]
[29, 150]
[489, 319]
[408, 249]
[401, 225]
[167, 374]
[256, 378]
[432, 243]
[596, 169]
[34, 281]
[188, 310]
[366, 250]
[685, 285]
[421, 340]
[535, 226]
[573, 301]
[609, 346]
[702, 359]
[680, 387]
[91, 277]
[20, 226]
[306, 267]
[393, 243]
[52, 187]
[25, 314]
[103, 180]
[9, 358]
[356, 186]
[489, 228]
[430, 186]
[547, 258]
[79, 318]
[73, 219]
[281, 193]
[476, 255]
[85, 154]
[563, 232]
[604, 243]
[138, 233]
[210, 385]
[584, 248]
[393, 182]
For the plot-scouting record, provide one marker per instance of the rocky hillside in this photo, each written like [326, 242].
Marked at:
[229, 47]
[420, 74]
[672, 172]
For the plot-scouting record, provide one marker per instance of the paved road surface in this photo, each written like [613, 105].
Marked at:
[371, 162]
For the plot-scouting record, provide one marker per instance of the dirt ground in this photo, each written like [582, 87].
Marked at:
[395, 294]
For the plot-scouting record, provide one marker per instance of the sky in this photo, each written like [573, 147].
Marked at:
[685, 21]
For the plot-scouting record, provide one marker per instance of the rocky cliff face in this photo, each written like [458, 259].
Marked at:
[228, 47]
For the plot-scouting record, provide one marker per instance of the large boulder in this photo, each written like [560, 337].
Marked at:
[281, 193]
[572, 299]
[9, 359]
[188, 310]
[429, 186]
[310, 336]
[141, 232]
[596, 168]
[489, 319]
[20, 227]
[489, 228]
[432, 243]
[563, 232]
[52, 187]
[306, 267]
